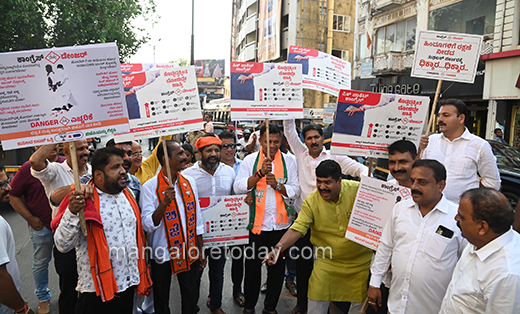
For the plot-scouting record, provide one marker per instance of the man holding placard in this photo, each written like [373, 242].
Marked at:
[107, 279]
[341, 268]
[422, 243]
[59, 177]
[468, 159]
[308, 156]
[272, 179]
[172, 216]
[213, 178]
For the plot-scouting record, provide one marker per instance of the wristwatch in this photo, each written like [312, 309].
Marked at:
[278, 186]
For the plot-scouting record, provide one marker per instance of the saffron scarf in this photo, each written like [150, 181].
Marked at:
[257, 209]
[180, 251]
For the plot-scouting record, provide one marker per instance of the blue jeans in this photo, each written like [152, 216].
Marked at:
[43, 242]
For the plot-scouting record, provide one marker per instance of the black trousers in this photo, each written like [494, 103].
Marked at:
[122, 303]
[304, 268]
[255, 252]
[237, 267]
[65, 264]
[162, 276]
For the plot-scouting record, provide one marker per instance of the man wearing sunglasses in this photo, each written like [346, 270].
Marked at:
[229, 149]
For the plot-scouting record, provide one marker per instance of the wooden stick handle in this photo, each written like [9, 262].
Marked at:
[432, 114]
[166, 160]
[77, 185]
[267, 138]
[370, 166]
[365, 307]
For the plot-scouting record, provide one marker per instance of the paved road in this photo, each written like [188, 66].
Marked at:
[24, 258]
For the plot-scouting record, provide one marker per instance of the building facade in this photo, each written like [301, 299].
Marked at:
[292, 23]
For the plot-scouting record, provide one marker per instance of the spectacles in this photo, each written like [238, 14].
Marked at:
[226, 146]
[5, 184]
[137, 154]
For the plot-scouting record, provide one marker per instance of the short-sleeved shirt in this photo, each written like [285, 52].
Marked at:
[8, 258]
[31, 189]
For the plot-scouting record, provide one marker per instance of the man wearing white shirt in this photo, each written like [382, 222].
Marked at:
[467, 157]
[110, 259]
[308, 156]
[171, 215]
[422, 243]
[487, 276]
[213, 178]
[272, 180]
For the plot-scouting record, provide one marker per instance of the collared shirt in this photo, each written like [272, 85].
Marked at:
[307, 164]
[236, 165]
[218, 184]
[422, 259]
[31, 189]
[132, 182]
[120, 228]
[486, 280]
[54, 176]
[499, 139]
[8, 258]
[465, 158]
[291, 186]
[341, 273]
[149, 203]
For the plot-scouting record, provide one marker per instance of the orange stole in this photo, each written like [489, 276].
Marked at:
[181, 260]
[99, 255]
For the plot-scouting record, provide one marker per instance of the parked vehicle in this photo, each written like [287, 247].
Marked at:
[508, 162]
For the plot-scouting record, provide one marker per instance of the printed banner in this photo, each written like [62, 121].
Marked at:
[329, 109]
[225, 220]
[447, 56]
[162, 99]
[321, 71]
[269, 35]
[266, 90]
[313, 113]
[367, 123]
[374, 202]
[206, 69]
[60, 94]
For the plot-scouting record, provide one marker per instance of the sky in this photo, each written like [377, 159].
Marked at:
[171, 35]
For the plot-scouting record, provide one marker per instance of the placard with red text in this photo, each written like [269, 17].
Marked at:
[321, 71]
[162, 99]
[225, 220]
[374, 202]
[60, 94]
[266, 90]
[367, 123]
[447, 56]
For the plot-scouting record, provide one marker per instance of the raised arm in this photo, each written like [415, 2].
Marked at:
[39, 157]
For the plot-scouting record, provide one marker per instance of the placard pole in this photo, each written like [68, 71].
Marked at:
[77, 185]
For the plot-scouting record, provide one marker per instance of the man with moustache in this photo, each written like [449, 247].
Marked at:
[422, 242]
[28, 198]
[229, 149]
[110, 259]
[59, 176]
[340, 274]
[213, 178]
[487, 276]
[172, 216]
[401, 156]
[272, 180]
[309, 155]
[133, 182]
[468, 159]
[137, 155]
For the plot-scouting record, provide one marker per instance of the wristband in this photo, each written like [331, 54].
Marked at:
[260, 173]
[278, 246]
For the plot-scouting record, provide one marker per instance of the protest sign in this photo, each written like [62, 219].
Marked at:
[329, 109]
[266, 90]
[225, 220]
[447, 56]
[162, 99]
[321, 71]
[313, 113]
[374, 202]
[60, 94]
[367, 123]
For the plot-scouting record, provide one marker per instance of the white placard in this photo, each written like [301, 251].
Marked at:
[374, 202]
[367, 123]
[266, 90]
[60, 95]
[321, 71]
[162, 99]
[225, 220]
[447, 56]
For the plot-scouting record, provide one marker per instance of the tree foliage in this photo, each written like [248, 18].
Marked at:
[56, 23]
[181, 62]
